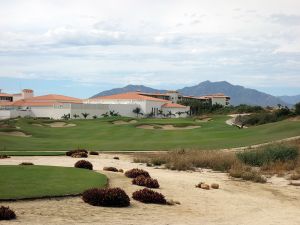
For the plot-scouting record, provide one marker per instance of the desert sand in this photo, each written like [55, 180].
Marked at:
[236, 202]
[15, 133]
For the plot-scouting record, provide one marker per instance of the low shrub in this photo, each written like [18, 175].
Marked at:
[295, 176]
[268, 154]
[26, 164]
[145, 181]
[112, 169]
[121, 171]
[83, 164]
[116, 158]
[148, 196]
[246, 173]
[79, 155]
[110, 197]
[4, 156]
[6, 213]
[133, 173]
[70, 153]
[94, 153]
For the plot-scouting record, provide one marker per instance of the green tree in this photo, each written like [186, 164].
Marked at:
[297, 108]
[85, 115]
[137, 111]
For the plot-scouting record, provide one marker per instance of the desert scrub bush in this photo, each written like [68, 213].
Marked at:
[268, 154]
[26, 164]
[79, 155]
[246, 173]
[70, 153]
[148, 196]
[4, 156]
[133, 173]
[110, 197]
[145, 181]
[110, 168]
[94, 153]
[83, 164]
[295, 176]
[6, 213]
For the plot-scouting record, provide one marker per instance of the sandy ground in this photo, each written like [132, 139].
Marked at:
[236, 202]
[122, 122]
[167, 127]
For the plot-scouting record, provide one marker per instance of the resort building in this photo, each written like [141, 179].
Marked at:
[125, 104]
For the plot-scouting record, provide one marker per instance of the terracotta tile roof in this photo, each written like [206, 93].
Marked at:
[5, 95]
[131, 95]
[52, 97]
[173, 105]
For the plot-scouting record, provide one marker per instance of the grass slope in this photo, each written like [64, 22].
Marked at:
[21, 182]
[101, 134]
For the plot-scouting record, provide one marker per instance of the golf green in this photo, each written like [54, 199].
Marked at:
[23, 182]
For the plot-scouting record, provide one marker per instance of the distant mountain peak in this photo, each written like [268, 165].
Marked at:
[238, 94]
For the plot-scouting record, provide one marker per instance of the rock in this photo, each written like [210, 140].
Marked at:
[204, 186]
[214, 186]
[116, 157]
[121, 170]
[199, 185]
[172, 202]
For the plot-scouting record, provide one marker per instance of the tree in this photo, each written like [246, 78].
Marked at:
[85, 115]
[179, 113]
[75, 116]
[105, 115]
[66, 116]
[94, 117]
[297, 108]
[160, 112]
[170, 114]
[137, 111]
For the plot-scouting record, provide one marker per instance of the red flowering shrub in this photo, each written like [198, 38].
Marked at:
[83, 164]
[148, 196]
[114, 197]
[6, 213]
[133, 173]
[145, 181]
[70, 153]
[94, 153]
[112, 169]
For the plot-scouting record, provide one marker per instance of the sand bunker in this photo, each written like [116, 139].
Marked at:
[61, 124]
[37, 125]
[202, 120]
[15, 133]
[122, 122]
[166, 127]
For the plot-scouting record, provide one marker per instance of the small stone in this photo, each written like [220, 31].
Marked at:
[215, 186]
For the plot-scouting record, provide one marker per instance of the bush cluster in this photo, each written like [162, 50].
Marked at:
[148, 196]
[77, 152]
[26, 164]
[246, 173]
[145, 181]
[133, 173]
[6, 213]
[4, 156]
[114, 197]
[110, 168]
[268, 154]
[83, 164]
[94, 153]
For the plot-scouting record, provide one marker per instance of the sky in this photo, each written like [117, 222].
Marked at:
[81, 47]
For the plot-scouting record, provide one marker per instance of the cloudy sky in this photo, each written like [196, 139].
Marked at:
[81, 47]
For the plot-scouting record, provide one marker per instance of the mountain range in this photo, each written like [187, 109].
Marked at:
[238, 94]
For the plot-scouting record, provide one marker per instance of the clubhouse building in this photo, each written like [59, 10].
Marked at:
[25, 104]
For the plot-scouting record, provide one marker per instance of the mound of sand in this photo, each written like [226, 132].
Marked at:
[167, 127]
[15, 133]
[61, 124]
[122, 122]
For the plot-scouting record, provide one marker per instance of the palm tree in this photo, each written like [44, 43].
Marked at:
[105, 114]
[137, 111]
[66, 116]
[75, 116]
[85, 115]
[160, 112]
[170, 114]
[94, 117]
[179, 113]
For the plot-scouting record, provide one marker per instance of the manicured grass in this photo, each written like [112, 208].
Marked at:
[21, 182]
[101, 134]
[30, 153]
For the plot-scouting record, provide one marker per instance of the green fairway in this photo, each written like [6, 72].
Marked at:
[101, 134]
[21, 182]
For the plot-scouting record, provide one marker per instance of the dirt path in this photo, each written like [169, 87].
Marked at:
[234, 203]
